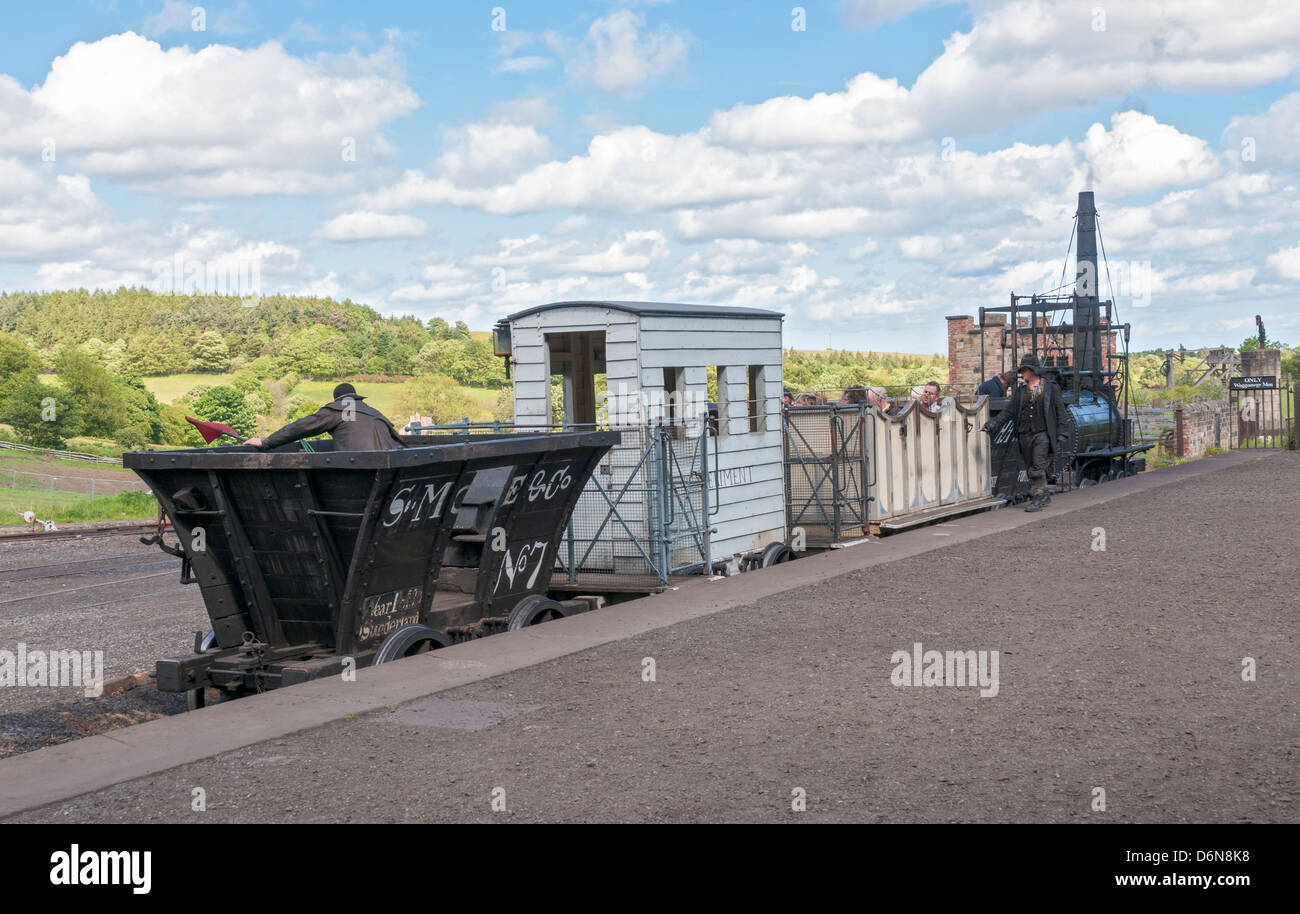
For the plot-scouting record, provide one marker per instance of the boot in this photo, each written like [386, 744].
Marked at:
[1035, 504]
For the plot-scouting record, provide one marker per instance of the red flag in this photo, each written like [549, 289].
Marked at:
[211, 431]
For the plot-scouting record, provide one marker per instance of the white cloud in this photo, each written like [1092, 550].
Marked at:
[573, 223]
[633, 169]
[1270, 139]
[213, 122]
[174, 16]
[45, 216]
[362, 226]
[1021, 59]
[632, 251]
[483, 153]
[1286, 263]
[528, 63]
[619, 56]
[1138, 154]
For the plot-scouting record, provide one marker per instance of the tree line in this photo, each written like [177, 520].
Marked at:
[142, 333]
[99, 346]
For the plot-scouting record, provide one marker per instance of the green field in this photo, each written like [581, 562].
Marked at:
[64, 507]
[171, 387]
[381, 395]
[27, 462]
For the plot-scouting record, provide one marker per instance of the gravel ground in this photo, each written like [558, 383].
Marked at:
[74, 594]
[1118, 670]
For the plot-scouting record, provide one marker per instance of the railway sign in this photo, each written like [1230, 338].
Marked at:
[1255, 382]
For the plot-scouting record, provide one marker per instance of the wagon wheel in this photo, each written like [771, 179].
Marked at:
[410, 640]
[776, 554]
[534, 609]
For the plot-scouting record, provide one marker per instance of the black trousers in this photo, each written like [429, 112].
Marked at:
[1033, 454]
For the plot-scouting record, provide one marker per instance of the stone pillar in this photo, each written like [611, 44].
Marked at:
[1256, 362]
[1295, 426]
[960, 353]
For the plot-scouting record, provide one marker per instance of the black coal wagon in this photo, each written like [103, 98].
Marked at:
[314, 563]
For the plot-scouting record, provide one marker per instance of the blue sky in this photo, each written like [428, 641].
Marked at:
[892, 162]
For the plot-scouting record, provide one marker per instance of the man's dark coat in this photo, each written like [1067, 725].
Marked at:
[367, 430]
[1053, 414]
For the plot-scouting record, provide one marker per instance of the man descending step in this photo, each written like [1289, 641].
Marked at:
[353, 425]
[1038, 415]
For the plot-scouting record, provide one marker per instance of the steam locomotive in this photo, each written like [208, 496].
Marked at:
[1075, 337]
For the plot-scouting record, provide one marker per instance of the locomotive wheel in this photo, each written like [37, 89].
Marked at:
[776, 554]
[410, 640]
[534, 609]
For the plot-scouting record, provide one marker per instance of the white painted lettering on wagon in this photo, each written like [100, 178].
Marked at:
[539, 486]
[514, 565]
[403, 500]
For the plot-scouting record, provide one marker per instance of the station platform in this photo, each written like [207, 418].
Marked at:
[772, 695]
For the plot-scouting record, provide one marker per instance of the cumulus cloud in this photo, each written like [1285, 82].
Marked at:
[619, 55]
[48, 216]
[633, 169]
[1286, 263]
[483, 153]
[174, 16]
[1139, 154]
[1021, 59]
[629, 252]
[362, 226]
[218, 121]
[1270, 139]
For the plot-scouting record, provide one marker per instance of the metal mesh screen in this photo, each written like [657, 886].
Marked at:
[826, 471]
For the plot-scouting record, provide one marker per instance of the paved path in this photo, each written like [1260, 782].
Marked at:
[1118, 670]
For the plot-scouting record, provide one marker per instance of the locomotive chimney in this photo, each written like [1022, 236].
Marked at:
[1087, 338]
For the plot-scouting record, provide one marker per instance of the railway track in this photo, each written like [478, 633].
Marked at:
[126, 562]
[73, 533]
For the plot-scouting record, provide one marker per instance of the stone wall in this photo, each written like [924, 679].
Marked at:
[1200, 426]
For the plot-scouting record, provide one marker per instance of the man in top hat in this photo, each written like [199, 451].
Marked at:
[1038, 415]
[354, 426]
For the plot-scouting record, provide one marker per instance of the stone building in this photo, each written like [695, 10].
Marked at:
[964, 342]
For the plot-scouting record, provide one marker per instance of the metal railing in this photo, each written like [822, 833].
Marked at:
[64, 455]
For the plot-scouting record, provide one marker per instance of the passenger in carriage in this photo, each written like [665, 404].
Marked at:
[1000, 385]
[877, 397]
[353, 425]
[853, 396]
[930, 396]
[809, 399]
